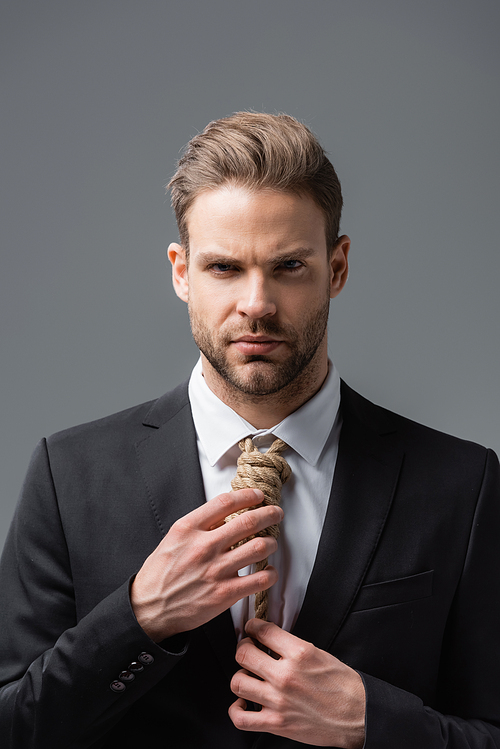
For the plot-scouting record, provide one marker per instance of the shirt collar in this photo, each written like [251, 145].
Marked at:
[219, 427]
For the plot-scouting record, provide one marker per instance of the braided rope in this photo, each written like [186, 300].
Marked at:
[267, 472]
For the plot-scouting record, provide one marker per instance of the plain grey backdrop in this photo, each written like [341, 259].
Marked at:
[98, 98]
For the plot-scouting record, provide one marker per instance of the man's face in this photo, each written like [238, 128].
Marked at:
[258, 286]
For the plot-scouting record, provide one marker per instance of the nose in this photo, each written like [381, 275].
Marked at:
[256, 298]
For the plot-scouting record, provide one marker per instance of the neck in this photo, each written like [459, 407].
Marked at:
[265, 411]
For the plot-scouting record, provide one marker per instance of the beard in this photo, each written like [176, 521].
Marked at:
[260, 375]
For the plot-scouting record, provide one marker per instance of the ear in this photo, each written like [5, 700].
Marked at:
[339, 267]
[177, 256]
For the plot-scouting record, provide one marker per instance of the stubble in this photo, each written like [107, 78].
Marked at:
[255, 378]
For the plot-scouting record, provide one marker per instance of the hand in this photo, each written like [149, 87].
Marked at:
[307, 695]
[192, 575]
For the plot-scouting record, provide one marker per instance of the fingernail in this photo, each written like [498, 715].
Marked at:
[258, 493]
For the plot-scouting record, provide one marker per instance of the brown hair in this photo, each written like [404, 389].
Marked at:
[257, 150]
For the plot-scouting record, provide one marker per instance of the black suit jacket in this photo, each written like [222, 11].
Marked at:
[405, 588]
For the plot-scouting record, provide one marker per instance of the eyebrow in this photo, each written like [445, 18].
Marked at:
[299, 253]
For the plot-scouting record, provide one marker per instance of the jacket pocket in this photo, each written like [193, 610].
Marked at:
[394, 591]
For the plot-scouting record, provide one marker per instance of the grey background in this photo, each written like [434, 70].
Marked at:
[99, 97]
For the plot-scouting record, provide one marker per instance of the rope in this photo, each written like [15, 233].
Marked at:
[267, 472]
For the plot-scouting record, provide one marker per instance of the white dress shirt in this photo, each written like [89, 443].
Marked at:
[312, 433]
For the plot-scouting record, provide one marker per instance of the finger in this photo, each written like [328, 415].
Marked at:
[237, 712]
[246, 686]
[273, 637]
[248, 585]
[253, 659]
[213, 512]
[249, 524]
[249, 720]
[253, 551]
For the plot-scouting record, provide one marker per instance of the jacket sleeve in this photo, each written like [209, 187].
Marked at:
[56, 672]
[469, 683]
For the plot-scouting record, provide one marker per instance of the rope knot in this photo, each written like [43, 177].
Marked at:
[266, 471]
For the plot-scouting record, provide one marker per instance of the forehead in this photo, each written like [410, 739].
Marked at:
[234, 217]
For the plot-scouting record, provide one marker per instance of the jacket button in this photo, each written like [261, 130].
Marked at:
[126, 676]
[136, 667]
[117, 686]
[146, 659]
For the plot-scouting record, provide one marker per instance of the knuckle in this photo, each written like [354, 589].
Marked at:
[261, 547]
[273, 543]
[249, 522]
[186, 524]
[263, 580]
[181, 526]
[242, 655]
[236, 684]
[226, 502]
[303, 651]
[285, 678]
[277, 514]
[222, 592]
[239, 718]
[265, 630]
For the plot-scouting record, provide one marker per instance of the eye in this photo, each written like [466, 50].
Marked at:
[220, 268]
[291, 265]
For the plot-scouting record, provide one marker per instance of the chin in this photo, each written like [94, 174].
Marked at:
[258, 377]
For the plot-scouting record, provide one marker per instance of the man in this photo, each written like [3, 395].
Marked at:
[124, 619]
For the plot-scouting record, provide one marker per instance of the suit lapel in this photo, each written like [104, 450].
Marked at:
[365, 479]
[169, 465]
[168, 460]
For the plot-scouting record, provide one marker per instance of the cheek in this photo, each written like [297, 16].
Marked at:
[212, 309]
[300, 302]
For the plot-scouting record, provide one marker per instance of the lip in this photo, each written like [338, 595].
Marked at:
[256, 339]
[260, 344]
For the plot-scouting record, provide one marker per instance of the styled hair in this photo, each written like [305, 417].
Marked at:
[257, 151]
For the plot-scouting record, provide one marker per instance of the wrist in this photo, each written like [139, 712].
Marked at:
[147, 616]
[355, 734]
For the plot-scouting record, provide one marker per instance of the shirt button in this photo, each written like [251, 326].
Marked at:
[126, 676]
[117, 686]
[136, 667]
[146, 658]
